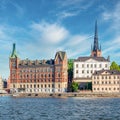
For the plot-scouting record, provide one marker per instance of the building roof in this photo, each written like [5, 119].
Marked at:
[14, 54]
[111, 72]
[61, 54]
[30, 63]
[83, 59]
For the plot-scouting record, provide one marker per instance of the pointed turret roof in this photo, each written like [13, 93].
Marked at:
[14, 54]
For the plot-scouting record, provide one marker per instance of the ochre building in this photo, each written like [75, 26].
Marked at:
[38, 76]
[106, 81]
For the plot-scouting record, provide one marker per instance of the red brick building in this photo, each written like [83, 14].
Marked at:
[39, 75]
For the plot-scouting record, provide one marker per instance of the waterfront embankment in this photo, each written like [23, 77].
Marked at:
[64, 95]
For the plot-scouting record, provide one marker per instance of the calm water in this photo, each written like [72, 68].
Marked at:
[59, 109]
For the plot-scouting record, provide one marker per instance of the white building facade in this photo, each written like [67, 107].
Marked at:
[1, 85]
[84, 67]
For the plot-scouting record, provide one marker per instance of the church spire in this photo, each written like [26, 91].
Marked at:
[14, 54]
[96, 51]
[96, 44]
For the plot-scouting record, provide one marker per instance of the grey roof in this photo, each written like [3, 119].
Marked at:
[31, 63]
[61, 53]
[111, 72]
[82, 59]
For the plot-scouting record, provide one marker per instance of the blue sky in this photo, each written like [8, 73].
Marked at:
[40, 28]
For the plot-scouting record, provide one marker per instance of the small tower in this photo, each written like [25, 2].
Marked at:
[13, 64]
[96, 50]
[13, 58]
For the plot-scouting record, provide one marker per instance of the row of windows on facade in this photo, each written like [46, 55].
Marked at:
[106, 77]
[36, 80]
[39, 70]
[39, 86]
[92, 65]
[106, 82]
[42, 90]
[83, 71]
[37, 75]
[106, 89]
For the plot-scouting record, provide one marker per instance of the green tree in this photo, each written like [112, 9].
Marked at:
[114, 66]
[74, 86]
[70, 69]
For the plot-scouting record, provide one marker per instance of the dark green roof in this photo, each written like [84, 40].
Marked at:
[14, 54]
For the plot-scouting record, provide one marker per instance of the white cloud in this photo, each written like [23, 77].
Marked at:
[113, 15]
[69, 8]
[50, 33]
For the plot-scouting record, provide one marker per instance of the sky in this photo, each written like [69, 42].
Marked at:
[40, 28]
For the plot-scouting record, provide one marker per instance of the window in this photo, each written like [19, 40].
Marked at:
[94, 82]
[82, 71]
[106, 65]
[91, 65]
[100, 65]
[102, 82]
[94, 88]
[97, 88]
[109, 88]
[76, 71]
[82, 65]
[87, 71]
[95, 65]
[109, 82]
[87, 65]
[105, 82]
[97, 82]
[76, 65]
[102, 88]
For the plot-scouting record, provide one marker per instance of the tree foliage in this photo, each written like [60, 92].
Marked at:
[74, 86]
[70, 69]
[114, 66]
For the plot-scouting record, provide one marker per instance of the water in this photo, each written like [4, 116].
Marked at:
[59, 109]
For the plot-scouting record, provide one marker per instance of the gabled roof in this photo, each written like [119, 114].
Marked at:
[61, 54]
[111, 72]
[83, 59]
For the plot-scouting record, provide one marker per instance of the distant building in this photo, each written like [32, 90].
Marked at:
[38, 76]
[106, 81]
[1, 83]
[84, 67]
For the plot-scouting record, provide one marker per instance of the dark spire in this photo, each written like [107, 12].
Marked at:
[96, 44]
[14, 54]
